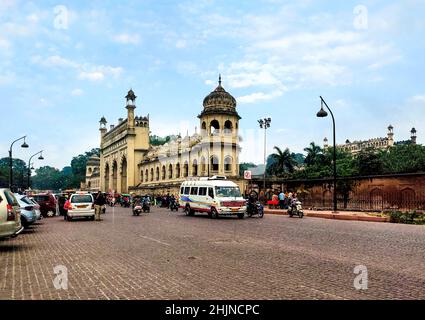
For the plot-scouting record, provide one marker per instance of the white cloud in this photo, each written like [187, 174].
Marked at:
[259, 96]
[77, 92]
[418, 99]
[84, 71]
[126, 38]
[180, 44]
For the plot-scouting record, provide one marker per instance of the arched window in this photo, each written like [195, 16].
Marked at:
[152, 174]
[141, 176]
[146, 175]
[228, 127]
[170, 171]
[178, 170]
[185, 169]
[157, 174]
[228, 163]
[203, 128]
[214, 163]
[215, 127]
[163, 173]
[195, 168]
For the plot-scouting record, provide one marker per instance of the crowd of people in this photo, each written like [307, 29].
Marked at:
[278, 199]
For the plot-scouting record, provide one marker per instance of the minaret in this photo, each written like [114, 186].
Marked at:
[131, 105]
[413, 136]
[390, 136]
[102, 127]
[325, 143]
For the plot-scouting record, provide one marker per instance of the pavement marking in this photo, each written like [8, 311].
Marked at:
[156, 240]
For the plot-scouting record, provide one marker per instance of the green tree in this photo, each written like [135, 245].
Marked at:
[369, 162]
[20, 173]
[314, 152]
[47, 178]
[281, 162]
[404, 159]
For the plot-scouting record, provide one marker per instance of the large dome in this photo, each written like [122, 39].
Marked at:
[219, 101]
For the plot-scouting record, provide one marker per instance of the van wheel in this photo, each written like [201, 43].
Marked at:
[50, 213]
[241, 215]
[214, 213]
[188, 211]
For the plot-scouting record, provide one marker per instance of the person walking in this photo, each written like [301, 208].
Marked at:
[281, 200]
[99, 202]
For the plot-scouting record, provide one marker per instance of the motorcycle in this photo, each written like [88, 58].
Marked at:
[146, 206]
[255, 208]
[137, 210]
[295, 209]
[174, 205]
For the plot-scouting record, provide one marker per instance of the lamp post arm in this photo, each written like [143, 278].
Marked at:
[10, 150]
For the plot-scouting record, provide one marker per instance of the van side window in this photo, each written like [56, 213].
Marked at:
[186, 190]
[194, 191]
[182, 190]
[211, 192]
[202, 191]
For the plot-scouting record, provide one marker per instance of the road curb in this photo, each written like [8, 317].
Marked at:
[338, 216]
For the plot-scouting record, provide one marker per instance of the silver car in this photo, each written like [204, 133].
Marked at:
[36, 208]
[28, 214]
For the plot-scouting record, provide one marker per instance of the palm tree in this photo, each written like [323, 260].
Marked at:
[281, 162]
[313, 153]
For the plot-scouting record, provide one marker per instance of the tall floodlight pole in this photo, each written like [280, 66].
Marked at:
[265, 124]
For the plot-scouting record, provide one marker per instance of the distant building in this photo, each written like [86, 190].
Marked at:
[376, 143]
[92, 182]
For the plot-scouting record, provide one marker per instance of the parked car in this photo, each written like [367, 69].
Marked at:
[80, 205]
[10, 215]
[47, 202]
[28, 214]
[36, 208]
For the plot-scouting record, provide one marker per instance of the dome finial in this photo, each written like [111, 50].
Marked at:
[219, 79]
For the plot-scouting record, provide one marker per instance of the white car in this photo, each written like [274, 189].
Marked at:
[80, 205]
[10, 215]
[215, 195]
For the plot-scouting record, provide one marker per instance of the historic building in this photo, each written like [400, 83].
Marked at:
[92, 182]
[129, 163]
[375, 143]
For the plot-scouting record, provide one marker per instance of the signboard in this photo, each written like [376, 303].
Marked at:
[247, 174]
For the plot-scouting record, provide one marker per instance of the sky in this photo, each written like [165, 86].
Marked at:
[64, 65]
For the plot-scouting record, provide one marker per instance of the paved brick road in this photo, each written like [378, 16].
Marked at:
[166, 255]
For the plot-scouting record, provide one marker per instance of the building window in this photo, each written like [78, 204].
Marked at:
[214, 163]
[215, 127]
[228, 163]
[195, 168]
[186, 169]
[228, 127]
[170, 171]
[178, 170]
[157, 173]
[163, 173]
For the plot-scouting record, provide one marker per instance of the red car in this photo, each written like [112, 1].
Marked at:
[47, 202]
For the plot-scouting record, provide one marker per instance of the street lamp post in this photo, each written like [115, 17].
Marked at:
[24, 145]
[29, 166]
[321, 114]
[265, 124]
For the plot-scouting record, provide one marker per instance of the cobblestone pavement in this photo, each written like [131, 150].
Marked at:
[163, 255]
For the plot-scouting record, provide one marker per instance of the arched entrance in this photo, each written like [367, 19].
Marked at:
[124, 175]
[114, 176]
[106, 177]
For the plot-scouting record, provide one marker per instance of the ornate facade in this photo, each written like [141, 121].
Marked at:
[128, 163]
[376, 143]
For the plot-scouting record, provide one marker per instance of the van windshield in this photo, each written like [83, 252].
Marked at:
[227, 192]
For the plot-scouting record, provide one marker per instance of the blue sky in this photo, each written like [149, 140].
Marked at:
[65, 64]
